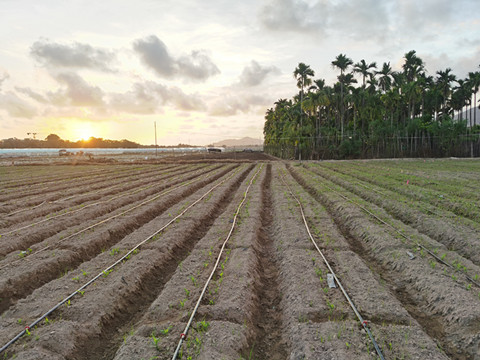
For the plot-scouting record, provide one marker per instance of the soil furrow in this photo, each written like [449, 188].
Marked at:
[268, 317]
[152, 281]
[29, 276]
[83, 198]
[93, 212]
[428, 303]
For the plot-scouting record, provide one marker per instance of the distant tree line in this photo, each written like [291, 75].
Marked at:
[386, 111]
[54, 141]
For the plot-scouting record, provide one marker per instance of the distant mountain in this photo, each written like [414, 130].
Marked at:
[246, 141]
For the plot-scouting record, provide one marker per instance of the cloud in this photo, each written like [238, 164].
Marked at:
[197, 65]
[3, 77]
[76, 55]
[148, 97]
[154, 53]
[231, 105]
[77, 92]
[15, 106]
[254, 74]
[294, 15]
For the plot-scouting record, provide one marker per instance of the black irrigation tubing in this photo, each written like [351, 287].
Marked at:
[105, 220]
[77, 210]
[352, 305]
[89, 192]
[109, 268]
[183, 336]
[431, 253]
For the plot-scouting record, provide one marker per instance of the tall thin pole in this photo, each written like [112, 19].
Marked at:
[155, 126]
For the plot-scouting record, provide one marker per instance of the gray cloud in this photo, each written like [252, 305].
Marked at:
[254, 74]
[76, 55]
[15, 106]
[231, 105]
[77, 92]
[3, 77]
[294, 15]
[148, 97]
[197, 65]
[154, 53]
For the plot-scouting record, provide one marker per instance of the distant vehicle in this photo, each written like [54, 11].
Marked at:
[212, 149]
[63, 152]
[248, 150]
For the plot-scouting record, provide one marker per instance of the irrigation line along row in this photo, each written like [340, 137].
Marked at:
[77, 210]
[404, 236]
[75, 195]
[107, 270]
[352, 305]
[183, 336]
[102, 221]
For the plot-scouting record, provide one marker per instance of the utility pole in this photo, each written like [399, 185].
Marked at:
[155, 127]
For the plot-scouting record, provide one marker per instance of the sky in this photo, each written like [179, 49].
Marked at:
[202, 71]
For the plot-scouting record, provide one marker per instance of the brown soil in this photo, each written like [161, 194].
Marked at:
[268, 299]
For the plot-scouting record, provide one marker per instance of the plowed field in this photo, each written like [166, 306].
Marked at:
[212, 258]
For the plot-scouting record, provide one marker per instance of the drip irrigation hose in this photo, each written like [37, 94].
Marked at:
[363, 322]
[183, 336]
[107, 270]
[77, 210]
[102, 221]
[431, 253]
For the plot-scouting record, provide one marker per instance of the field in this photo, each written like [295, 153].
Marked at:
[211, 258]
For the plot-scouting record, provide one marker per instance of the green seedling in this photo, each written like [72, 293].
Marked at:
[114, 251]
[19, 321]
[202, 326]
[165, 331]
[182, 303]
[194, 281]
[155, 341]
[187, 292]
[81, 292]
[76, 278]
[348, 345]
[68, 303]
[469, 286]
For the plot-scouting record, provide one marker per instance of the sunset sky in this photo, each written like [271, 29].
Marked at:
[203, 70]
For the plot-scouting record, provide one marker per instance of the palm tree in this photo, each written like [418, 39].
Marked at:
[303, 73]
[385, 79]
[443, 82]
[474, 81]
[342, 62]
[413, 66]
[363, 68]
